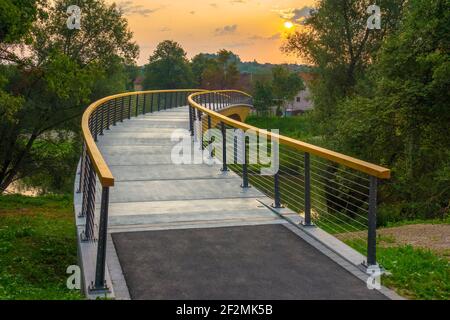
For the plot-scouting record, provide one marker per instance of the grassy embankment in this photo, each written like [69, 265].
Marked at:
[37, 244]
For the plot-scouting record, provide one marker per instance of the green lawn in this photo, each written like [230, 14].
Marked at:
[415, 273]
[299, 127]
[37, 244]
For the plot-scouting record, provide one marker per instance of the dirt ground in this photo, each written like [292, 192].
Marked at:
[435, 237]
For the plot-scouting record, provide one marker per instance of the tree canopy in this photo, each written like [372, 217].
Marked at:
[168, 68]
[382, 95]
[47, 86]
[218, 71]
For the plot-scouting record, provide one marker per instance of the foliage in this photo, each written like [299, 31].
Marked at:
[336, 40]
[16, 17]
[286, 85]
[218, 71]
[400, 118]
[168, 68]
[382, 96]
[37, 244]
[262, 97]
[46, 87]
[103, 36]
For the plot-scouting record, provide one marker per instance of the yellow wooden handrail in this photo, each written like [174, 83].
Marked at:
[358, 165]
[104, 174]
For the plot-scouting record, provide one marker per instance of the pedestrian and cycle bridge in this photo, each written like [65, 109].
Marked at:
[150, 227]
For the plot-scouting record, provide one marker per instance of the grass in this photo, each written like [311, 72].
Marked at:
[414, 273]
[299, 127]
[446, 220]
[37, 244]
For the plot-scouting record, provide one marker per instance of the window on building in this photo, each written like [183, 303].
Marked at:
[298, 99]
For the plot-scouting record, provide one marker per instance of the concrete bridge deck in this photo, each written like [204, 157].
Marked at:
[191, 231]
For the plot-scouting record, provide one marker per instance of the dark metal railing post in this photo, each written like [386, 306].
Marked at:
[114, 111]
[144, 107]
[372, 223]
[89, 206]
[165, 101]
[102, 113]
[275, 149]
[129, 107]
[108, 115]
[224, 147]
[199, 115]
[209, 135]
[307, 164]
[191, 121]
[137, 105]
[152, 95]
[277, 194]
[245, 165]
[122, 108]
[82, 160]
[100, 282]
[95, 125]
[159, 101]
[210, 100]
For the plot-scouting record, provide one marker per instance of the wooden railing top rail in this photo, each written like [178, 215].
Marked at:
[103, 172]
[356, 164]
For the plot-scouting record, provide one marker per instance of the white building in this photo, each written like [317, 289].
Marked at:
[302, 101]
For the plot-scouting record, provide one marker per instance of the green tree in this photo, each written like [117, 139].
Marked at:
[168, 68]
[216, 71]
[16, 17]
[55, 80]
[286, 85]
[263, 97]
[199, 64]
[400, 114]
[227, 61]
[337, 41]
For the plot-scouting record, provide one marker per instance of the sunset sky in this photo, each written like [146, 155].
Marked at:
[253, 29]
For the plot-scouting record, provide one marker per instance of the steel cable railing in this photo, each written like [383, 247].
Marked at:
[95, 177]
[330, 190]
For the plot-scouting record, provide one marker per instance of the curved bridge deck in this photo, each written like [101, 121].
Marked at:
[191, 231]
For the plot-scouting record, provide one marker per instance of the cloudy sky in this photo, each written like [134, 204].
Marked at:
[254, 29]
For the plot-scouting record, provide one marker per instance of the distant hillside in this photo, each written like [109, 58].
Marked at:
[257, 68]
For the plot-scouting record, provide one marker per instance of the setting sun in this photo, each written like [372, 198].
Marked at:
[288, 25]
